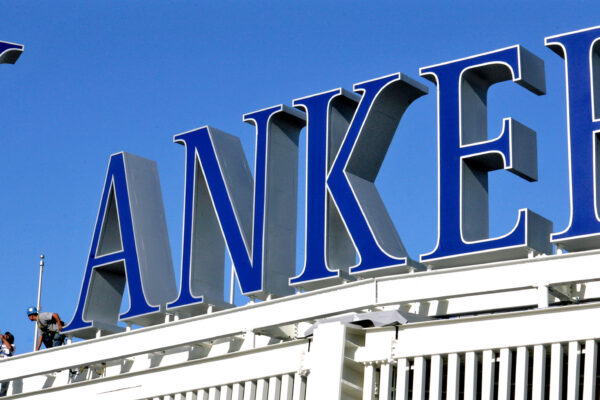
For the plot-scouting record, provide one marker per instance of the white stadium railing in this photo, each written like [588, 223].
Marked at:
[518, 330]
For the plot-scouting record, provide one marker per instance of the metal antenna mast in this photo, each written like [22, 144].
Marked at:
[39, 300]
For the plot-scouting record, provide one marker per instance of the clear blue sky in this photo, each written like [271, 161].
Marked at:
[98, 77]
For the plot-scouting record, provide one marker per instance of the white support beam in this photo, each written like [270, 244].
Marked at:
[522, 373]
[589, 374]
[326, 362]
[543, 293]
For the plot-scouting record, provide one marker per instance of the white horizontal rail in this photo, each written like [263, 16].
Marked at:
[498, 277]
[190, 331]
[526, 328]
[438, 284]
[213, 372]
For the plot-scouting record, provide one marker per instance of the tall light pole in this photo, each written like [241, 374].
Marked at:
[39, 300]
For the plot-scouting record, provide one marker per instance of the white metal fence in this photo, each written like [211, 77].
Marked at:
[283, 387]
[254, 352]
[545, 371]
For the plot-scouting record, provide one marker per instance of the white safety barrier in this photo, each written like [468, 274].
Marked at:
[522, 330]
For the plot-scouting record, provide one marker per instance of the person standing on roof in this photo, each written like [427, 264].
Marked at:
[7, 349]
[50, 327]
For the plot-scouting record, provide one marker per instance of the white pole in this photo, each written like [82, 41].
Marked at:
[39, 300]
[232, 284]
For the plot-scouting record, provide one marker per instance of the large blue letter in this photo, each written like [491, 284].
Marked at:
[130, 245]
[347, 140]
[466, 155]
[259, 230]
[581, 51]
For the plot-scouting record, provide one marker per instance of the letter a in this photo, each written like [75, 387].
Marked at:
[130, 245]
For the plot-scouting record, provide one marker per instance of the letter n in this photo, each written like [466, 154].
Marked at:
[224, 206]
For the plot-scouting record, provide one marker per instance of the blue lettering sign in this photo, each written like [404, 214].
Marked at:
[348, 231]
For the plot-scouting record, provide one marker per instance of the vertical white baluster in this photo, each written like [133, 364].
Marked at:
[385, 381]
[522, 374]
[470, 376]
[274, 388]
[573, 371]
[178, 396]
[589, 374]
[453, 377]
[287, 387]
[299, 387]
[214, 393]
[262, 389]
[250, 390]
[505, 374]
[191, 396]
[402, 379]
[369, 382]
[203, 394]
[225, 392]
[488, 367]
[539, 372]
[435, 382]
[556, 365]
[237, 392]
[419, 379]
